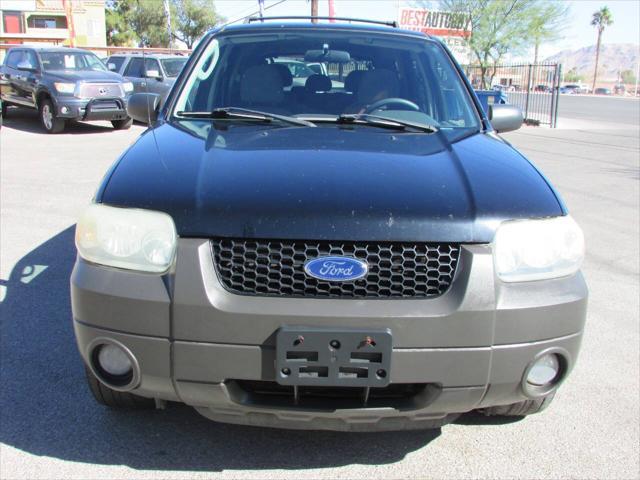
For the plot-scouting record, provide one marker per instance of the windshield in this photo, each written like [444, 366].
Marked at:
[173, 66]
[71, 61]
[324, 74]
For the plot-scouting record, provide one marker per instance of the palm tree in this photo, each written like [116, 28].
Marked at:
[600, 19]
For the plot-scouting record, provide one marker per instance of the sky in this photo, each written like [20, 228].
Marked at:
[578, 33]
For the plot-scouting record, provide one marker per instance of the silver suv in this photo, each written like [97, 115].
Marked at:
[153, 73]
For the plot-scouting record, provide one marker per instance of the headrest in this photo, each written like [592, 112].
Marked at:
[374, 82]
[352, 80]
[287, 77]
[318, 83]
[262, 84]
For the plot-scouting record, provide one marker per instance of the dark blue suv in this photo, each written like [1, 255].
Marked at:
[348, 246]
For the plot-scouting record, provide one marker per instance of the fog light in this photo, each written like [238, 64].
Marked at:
[114, 360]
[544, 370]
[64, 110]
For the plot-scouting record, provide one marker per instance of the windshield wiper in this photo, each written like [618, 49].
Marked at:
[377, 121]
[236, 113]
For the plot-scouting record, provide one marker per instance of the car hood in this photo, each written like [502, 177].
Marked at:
[86, 76]
[359, 183]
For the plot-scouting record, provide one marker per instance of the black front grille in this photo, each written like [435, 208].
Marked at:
[276, 268]
[99, 105]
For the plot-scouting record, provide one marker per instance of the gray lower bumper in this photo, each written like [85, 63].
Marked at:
[195, 342]
[94, 109]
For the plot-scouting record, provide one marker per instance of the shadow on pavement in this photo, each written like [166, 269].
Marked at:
[47, 409]
[27, 120]
[477, 418]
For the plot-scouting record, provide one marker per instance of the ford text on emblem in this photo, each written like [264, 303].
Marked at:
[336, 269]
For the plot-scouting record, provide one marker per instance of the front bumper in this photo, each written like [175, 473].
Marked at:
[91, 109]
[197, 343]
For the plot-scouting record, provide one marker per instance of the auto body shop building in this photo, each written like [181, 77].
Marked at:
[452, 28]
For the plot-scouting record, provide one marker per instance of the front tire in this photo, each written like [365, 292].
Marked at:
[114, 399]
[520, 409]
[50, 121]
[122, 124]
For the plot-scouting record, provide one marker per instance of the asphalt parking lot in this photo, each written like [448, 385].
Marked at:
[51, 428]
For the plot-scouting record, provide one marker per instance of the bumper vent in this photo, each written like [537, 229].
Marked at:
[276, 268]
[406, 396]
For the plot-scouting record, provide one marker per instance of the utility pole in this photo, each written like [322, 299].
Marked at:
[314, 10]
[332, 13]
[167, 13]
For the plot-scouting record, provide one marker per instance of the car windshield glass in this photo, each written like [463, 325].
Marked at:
[71, 61]
[173, 66]
[310, 74]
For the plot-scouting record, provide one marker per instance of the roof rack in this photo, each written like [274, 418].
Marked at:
[342, 19]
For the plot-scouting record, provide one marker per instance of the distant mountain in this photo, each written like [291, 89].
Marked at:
[614, 58]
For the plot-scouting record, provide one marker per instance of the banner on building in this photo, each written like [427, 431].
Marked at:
[452, 28]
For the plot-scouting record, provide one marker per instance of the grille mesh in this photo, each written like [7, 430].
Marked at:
[276, 268]
[92, 90]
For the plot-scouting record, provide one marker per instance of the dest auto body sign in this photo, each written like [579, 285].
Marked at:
[452, 28]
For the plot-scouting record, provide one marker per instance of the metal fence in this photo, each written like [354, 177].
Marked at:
[535, 88]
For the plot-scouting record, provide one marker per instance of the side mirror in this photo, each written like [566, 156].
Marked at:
[153, 74]
[505, 118]
[144, 107]
[26, 67]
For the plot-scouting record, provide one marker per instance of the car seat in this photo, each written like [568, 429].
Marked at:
[261, 88]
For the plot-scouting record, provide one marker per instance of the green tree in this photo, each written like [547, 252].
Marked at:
[547, 23]
[499, 27]
[193, 18]
[572, 76]
[627, 76]
[142, 22]
[147, 18]
[600, 19]
[119, 32]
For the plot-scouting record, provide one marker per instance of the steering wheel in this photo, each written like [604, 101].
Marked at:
[386, 102]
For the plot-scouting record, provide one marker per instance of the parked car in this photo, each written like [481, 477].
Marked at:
[619, 89]
[567, 90]
[542, 89]
[603, 91]
[375, 258]
[63, 84]
[152, 73]
[579, 87]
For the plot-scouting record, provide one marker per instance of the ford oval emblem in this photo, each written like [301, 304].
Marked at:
[336, 269]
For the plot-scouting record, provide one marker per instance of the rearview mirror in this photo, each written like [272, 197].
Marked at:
[144, 107]
[112, 66]
[505, 118]
[333, 56]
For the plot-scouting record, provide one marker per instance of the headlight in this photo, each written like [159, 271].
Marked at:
[128, 238]
[62, 87]
[526, 250]
[128, 87]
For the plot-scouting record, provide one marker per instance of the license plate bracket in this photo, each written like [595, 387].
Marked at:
[310, 356]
